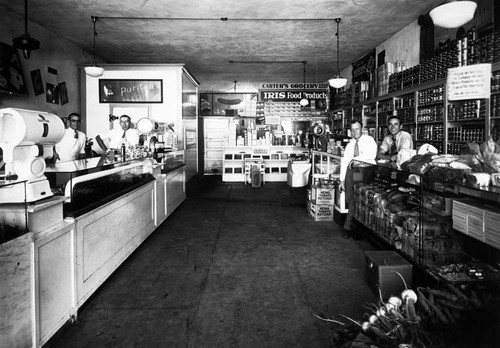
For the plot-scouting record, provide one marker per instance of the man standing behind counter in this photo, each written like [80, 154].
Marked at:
[72, 145]
[117, 136]
[395, 141]
[359, 153]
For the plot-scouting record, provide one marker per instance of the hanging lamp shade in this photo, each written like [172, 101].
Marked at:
[304, 101]
[25, 42]
[337, 81]
[94, 70]
[453, 13]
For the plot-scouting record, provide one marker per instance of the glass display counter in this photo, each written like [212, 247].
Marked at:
[13, 216]
[442, 223]
[88, 184]
[171, 161]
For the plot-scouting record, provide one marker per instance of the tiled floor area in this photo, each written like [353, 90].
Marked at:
[233, 266]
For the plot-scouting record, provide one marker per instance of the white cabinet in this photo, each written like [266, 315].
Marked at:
[275, 159]
[175, 188]
[54, 279]
[105, 237]
[160, 199]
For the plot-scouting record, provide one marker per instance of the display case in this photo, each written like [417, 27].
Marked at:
[438, 221]
[274, 158]
[13, 216]
[172, 161]
[90, 183]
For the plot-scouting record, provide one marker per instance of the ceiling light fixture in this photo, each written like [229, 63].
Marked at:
[94, 70]
[453, 13]
[25, 42]
[337, 81]
[304, 101]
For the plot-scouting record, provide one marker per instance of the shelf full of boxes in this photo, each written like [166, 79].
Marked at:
[274, 159]
[396, 82]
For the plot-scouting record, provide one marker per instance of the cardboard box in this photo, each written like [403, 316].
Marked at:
[381, 268]
[491, 231]
[320, 212]
[322, 195]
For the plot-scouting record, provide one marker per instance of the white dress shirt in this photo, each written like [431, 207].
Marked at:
[70, 147]
[116, 138]
[367, 153]
[403, 141]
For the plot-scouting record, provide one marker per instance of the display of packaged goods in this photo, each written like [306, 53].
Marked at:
[443, 250]
[438, 204]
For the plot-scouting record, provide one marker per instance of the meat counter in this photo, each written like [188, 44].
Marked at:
[90, 183]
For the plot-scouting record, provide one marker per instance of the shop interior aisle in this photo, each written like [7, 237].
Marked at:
[234, 266]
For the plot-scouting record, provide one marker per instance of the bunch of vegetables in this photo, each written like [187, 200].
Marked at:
[394, 322]
[423, 317]
[447, 305]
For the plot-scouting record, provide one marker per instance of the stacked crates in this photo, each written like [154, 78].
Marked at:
[321, 199]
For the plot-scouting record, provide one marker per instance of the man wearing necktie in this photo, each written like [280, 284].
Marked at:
[395, 141]
[72, 145]
[117, 136]
[359, 155]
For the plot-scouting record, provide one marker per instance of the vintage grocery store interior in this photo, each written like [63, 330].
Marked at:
[223, 227]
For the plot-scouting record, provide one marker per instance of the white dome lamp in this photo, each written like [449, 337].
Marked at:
[94, 70]
[337, 81]
[304, 101]
[453, 13]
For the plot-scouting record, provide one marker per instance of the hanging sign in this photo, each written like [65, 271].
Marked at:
[278, 95]
[469, 82]
[278, 85]
[363, 67]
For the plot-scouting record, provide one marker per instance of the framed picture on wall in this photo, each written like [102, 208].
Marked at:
[52, 93]
[11, 73]
[63, 93]
[130, 91]
[36, 78]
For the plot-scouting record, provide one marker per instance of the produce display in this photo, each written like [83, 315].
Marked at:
[445, 316]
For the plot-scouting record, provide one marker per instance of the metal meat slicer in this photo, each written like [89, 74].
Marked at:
[27, 138]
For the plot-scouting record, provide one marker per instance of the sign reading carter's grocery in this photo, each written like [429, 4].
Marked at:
[293, 86]
[289, 92]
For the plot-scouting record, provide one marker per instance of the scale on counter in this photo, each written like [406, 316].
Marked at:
[27, 138]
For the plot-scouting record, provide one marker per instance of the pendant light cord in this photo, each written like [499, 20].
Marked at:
[338, 46]
[26, 16]
[94, 19]
[304, 79]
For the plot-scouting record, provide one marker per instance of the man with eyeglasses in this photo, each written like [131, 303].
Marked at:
[72, 145]
[118, 136]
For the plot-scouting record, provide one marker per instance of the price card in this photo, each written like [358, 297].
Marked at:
[469, 82]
